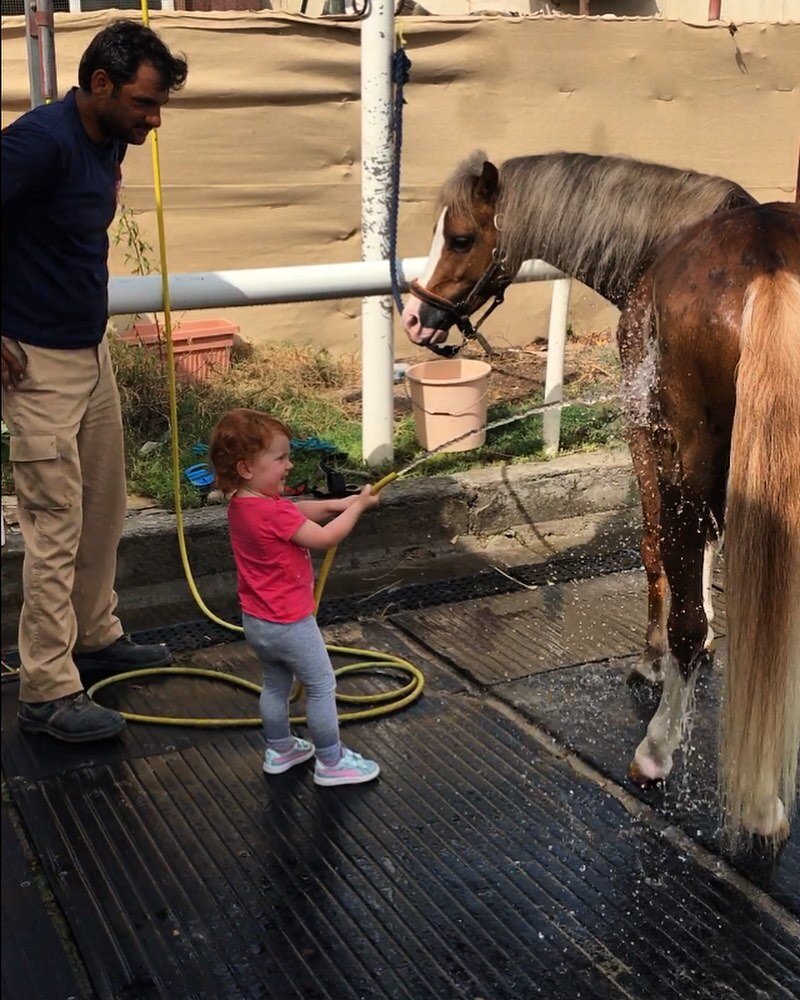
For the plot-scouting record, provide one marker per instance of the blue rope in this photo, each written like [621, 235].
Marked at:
[401, 64]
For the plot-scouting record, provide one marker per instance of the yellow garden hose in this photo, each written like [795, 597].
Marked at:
[369, 660]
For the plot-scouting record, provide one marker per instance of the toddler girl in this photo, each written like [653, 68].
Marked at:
[270, 537]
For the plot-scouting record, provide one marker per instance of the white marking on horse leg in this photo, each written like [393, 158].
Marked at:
[709, 561]
[653, 758]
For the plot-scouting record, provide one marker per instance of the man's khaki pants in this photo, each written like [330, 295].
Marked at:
[67, 451]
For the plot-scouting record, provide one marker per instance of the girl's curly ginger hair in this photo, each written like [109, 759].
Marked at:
[238, 437]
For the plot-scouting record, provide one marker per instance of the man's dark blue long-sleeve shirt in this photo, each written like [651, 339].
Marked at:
[59, 192]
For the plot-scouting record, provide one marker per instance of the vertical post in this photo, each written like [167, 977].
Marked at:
[47, 50]
[714, 10]
[377, 340]
[554, 376]
[40, 43]
[34, 60]
[74, 6]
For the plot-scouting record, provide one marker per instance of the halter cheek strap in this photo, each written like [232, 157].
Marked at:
[495, 276]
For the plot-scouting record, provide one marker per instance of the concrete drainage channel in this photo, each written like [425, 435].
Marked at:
[577, 513]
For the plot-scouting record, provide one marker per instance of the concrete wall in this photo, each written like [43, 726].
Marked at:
[424, 529]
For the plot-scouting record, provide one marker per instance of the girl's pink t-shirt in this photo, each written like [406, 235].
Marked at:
[276, 578]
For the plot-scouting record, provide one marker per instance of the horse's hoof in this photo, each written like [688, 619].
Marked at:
[645, 772]
[645, 673]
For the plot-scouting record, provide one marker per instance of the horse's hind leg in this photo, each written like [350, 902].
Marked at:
[684, 534]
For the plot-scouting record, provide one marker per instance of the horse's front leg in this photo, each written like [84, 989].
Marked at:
[635, 339]
[650, 666]
[683, 549]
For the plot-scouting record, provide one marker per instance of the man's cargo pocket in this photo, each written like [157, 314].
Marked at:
[39, 472]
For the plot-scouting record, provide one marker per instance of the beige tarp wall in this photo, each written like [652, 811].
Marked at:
[260, 153]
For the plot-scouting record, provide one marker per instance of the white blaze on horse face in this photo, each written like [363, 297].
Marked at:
[653, 758]
[411, 321]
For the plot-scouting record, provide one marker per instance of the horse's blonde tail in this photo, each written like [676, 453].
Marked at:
[761, 713]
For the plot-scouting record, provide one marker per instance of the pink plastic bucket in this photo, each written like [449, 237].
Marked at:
[449, 399]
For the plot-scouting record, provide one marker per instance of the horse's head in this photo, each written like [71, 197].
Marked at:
[463, 269]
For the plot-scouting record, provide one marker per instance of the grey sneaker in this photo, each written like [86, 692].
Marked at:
[351, 769]
[277, 763]
[73, 719]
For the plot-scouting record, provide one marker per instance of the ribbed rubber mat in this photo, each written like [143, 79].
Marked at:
[477, 866]
[26, 757]
[593, 710]
[34, 962]
[519, 634]
[508, 636]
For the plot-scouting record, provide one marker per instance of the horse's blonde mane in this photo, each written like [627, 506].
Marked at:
[600, 219]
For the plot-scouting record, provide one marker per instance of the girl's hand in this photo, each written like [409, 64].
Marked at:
[367, 499]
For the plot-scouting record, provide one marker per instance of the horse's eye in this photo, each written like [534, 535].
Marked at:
[461, 244]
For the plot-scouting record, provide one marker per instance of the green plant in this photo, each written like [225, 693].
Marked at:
[126, 232]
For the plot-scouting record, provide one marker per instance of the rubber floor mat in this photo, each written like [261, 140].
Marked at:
[26, 757]
[29, 973]
[476, 866]
[594, 711]
[500, 638]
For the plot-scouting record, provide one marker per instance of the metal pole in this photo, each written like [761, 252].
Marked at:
[47, 49]
[271, 285]
[40, 43]
[34, 60]
[377, 340]
[554, 375]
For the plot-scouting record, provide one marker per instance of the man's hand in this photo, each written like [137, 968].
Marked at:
[14, 363]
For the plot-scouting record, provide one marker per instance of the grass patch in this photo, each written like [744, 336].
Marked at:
[303, 386]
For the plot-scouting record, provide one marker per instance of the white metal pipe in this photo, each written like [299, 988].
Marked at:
[377, 335]
[273, 285]
[554, 375]
[34, 54]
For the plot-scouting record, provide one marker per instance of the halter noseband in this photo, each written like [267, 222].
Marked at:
[495, 276]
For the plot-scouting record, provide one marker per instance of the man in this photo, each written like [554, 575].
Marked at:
[60, 176]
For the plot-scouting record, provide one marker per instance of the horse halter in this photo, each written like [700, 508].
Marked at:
[495, 277]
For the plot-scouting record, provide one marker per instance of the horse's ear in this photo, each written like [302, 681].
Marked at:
[487, 185]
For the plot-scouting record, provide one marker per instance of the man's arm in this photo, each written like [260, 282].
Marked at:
[30, 166]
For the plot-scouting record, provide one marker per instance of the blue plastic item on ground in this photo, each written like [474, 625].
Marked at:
[199, 475]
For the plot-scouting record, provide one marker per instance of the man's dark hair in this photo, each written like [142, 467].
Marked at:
[121, 48]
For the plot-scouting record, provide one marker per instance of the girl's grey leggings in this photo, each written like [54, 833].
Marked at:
[289, 651]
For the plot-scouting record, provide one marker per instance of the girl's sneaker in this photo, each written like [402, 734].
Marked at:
[351, 769]
[277, 763]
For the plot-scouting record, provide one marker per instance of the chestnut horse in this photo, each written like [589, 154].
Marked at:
[708, 284]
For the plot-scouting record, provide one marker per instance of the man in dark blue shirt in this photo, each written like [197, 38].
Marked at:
[60, 177]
